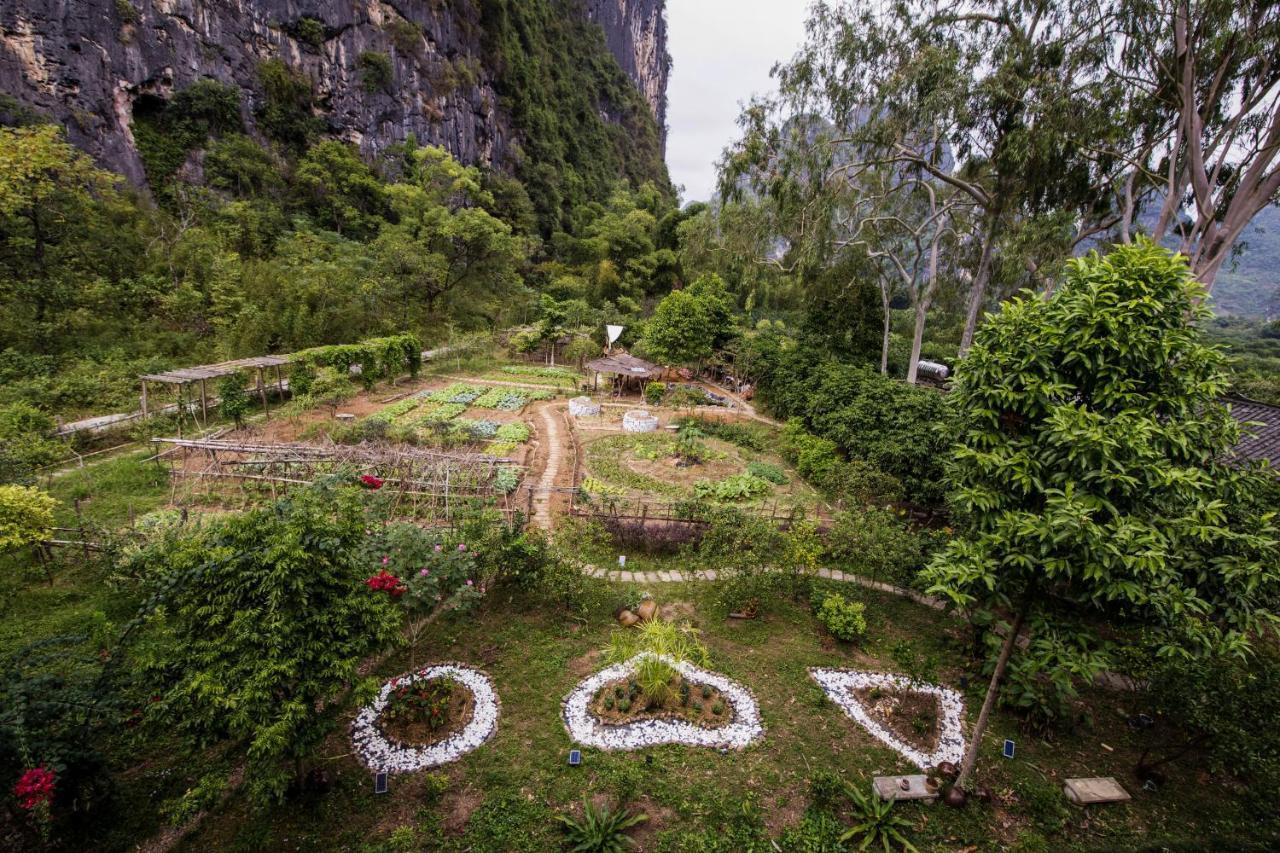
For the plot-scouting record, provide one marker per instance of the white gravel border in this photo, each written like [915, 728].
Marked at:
[839, 685]
[587, 729]
[382, 754]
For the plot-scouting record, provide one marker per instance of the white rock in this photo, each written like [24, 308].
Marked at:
[587, 729]
[839, 684]
[381, 754]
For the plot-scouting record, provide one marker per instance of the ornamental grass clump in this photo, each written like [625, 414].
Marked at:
[666, 643]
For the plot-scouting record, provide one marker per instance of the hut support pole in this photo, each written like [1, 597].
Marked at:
[262, 392]
[144, 399]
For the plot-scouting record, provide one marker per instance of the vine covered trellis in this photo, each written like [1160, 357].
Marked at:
[422, 483]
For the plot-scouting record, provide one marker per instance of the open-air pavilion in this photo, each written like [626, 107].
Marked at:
[625, 369]
[199, 376]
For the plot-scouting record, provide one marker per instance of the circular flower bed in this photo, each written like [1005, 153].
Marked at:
[843, 685]
[583, 407]
[639, 420]
[380, 753]
[588, 729]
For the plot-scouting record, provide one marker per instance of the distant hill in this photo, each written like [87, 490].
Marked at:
[1251, 288]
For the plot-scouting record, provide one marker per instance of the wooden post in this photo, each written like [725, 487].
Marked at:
[262, 392]
[279, 383]
[84, 539]
[204, 402]
[144, 398]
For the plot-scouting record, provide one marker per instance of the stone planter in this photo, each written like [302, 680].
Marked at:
[639, 420]
[583, 407]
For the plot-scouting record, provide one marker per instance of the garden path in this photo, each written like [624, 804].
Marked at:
[551, 435]
[677, 576]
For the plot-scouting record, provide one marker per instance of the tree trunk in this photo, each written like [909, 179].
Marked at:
[978, 294]
[884, 343]
[993, 690]
[923, 301]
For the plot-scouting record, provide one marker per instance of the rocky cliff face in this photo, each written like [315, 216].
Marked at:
[636, 32]
[92, 63]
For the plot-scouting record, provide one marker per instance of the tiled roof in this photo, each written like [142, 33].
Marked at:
[1257, 443]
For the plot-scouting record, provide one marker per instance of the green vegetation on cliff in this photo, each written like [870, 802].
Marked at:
[582, 123]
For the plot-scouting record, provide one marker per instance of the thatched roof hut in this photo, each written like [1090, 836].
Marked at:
[626, 367]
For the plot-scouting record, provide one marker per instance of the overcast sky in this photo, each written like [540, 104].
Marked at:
[722, 51]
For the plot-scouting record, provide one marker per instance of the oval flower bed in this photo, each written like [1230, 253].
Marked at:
[592, 723]
[448, 724]
[886, 706]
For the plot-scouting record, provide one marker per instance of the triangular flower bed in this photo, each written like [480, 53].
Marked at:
[586, 728]
[844, 685]
[381, 753]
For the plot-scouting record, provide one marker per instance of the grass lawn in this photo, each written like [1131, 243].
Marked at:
[504, 795]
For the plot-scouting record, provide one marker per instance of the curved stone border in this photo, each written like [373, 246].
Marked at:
[839, 685]
[585, 728]
[583, 407]
[381, 754]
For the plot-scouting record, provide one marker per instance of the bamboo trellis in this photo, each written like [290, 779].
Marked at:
[425, 483]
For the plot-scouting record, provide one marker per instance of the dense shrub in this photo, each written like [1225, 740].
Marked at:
[26, 442]
[897, 428]
[653, 392]
[879, 543]
[744, 550]
[1219, 711]
[819, 461]
[845, 620]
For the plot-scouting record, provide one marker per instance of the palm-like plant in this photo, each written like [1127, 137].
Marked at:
[601, 830]
[875, 823]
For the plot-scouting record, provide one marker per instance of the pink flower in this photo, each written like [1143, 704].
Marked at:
[482, 590]
[469, 582]
[461, 547]
[423, 573]
[437, 549]
[385, 559]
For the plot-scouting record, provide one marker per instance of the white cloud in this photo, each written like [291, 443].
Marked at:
[722, 51]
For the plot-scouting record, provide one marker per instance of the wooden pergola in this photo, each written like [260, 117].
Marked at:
[200, 374]
[623, 365]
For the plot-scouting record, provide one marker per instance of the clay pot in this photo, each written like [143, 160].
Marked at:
[954, 797]
[627, 619]
[647, 609]
[948, 770]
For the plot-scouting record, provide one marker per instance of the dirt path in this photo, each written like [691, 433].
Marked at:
[555, 458]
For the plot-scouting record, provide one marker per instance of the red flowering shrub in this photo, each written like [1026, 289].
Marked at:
[371, 482]
[35, 788]
[386, 582]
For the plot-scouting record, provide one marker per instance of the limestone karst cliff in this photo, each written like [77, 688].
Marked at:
[442, 70]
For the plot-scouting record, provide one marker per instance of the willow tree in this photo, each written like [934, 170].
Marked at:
[1088, 479]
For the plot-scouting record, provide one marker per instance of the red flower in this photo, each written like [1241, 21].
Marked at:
[371, 481]
[35, 787]
[386, 582]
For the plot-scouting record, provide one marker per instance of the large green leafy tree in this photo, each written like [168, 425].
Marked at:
[69, 242]
[262, 621]
[445, 244]
[1088, 477]
[688, 325]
